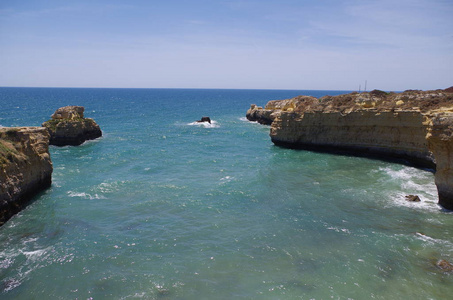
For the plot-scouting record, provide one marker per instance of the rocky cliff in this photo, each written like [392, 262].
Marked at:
[25, 167]
[68, 126]
[414, 125]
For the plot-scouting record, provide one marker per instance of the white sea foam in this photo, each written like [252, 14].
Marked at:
[226, 179]
[412, 181]
[431, 240]
[85, 195]
[5, 263]
[405, 173]
[337, 229]
[34, 255]
[426, 203]
[213, 124]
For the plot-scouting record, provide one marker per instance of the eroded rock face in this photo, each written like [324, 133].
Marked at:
[414, 125]
[274, 108]
[440, 142]
[68, 126]
[25, 167]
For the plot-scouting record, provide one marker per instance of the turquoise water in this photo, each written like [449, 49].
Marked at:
[164, 208]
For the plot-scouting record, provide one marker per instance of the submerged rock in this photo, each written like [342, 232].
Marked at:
[25, 167]
[445, 265]
[68, 126]
[413, 198]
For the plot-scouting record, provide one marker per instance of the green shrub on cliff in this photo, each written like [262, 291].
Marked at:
[7, 154]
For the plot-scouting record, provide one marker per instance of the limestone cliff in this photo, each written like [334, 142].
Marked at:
[25, 167]
[440, 143]
[414, 125]
[68, 126]
[274, 108]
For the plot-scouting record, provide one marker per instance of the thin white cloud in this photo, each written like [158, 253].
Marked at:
[275, 46]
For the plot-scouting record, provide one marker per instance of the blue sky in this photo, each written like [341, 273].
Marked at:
[286, 44]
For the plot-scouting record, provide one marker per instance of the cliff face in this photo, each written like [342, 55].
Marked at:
[414, 125]
[397, 134]
[68, 126]
[440, 142]
[25, 167]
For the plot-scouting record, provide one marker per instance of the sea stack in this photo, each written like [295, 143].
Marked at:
[204, 119]
[25, 167]
[68, 126]
[416, 126]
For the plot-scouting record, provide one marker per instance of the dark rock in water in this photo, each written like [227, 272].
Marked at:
[413, 198]
[444, 265]
[205, 119]
[68, 126]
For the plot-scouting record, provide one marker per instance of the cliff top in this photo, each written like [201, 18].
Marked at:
[410, 100]
[13, 139]
[69, 112]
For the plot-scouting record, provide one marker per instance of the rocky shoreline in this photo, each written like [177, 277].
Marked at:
[26, 168]
[25, 164]
[416, 126]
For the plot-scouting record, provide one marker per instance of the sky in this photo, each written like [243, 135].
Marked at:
[393, 45]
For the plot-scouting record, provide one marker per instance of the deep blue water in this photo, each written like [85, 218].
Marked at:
[163, 208]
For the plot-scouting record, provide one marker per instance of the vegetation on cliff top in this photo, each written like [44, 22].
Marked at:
[7, 150]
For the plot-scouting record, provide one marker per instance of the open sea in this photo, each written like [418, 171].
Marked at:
[161, 207]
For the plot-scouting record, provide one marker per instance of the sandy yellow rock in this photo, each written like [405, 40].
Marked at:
[414, 125]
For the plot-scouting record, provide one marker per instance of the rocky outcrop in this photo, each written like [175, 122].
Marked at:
[25, 167]
[204, 119]
[68, 126]
[414, 125]
[274, 108]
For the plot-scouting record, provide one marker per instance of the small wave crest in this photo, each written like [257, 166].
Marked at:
[413, 180]
[213, 124]
[226, 179]
[431, 240]
[85, 195]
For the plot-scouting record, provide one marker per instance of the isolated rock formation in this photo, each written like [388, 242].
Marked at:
[25, 167]
[414, 125]
[412, 198]
[68, 126]
[204, 119]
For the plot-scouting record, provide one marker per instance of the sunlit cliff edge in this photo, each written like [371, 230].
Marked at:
[416, 126]
[25, 167]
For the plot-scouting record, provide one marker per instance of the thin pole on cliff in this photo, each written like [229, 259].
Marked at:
[360, 87]
[365, 86]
